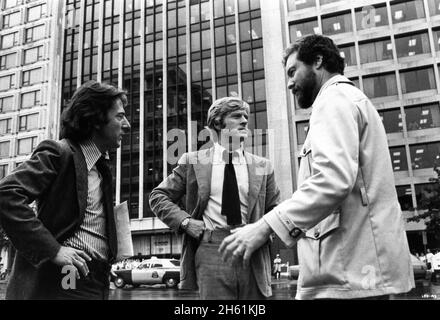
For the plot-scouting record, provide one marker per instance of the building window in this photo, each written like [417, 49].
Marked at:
[10, 3]
[436, 34]
[398, 159]
[424, 192]
[370, 17]
[349, 54]
[36, 12]
[11, 20]
[33, 55]
[6, 104]
[293, 5]
[8, 61]
[380, 85]
[9, 40]
[4, 149]
[434, 7]
[28, 122]
[422, 117]
[26, 145]
[7, 82]
[299, 29]
[392, 120]
[301, 131]
[30, 99]
[323, 2]
[404, 196]
[376, 51]
[3, 170]
[408, 10]
[424, 155]
[417, 80]
[5, 126]
[409, 45]
[337, 24]
[32, 76]
[35, 33]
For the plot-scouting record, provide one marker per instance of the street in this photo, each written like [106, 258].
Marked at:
[283, 289]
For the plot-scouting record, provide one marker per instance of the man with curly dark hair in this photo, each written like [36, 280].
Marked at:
[344, 216]
[73, 231]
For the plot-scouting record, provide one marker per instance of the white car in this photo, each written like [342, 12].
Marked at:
[435, 263]
[151, 271]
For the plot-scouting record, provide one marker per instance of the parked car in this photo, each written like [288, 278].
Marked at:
[293, 272]
[435, 267]
[419, 267]
[151, 271]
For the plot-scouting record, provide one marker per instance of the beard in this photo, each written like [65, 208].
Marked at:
[305, 92]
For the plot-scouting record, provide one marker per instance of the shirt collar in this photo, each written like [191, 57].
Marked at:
[91, 153]
[218, 154]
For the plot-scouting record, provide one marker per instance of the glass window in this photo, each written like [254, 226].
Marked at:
[323, 2]
[195, 41]
[258, 59]
[413, 44]
[246, 61]
[392, 120]
[7, 82]
[206, 40]
[35, 33]
[220, 66]
[408, 10]
[204, 11]
[195, 13]
[245, 31]
[301, 131]
[337, 24]
[9, 40]
[219, 36]
[256, 32]
[219, 9]
[349, 54]
[425, 192]
[11, 20]
[5, 126]
[8, 61]
[232, 63]
[424, 155]
[6, 104]
[302, 28]
[26, 145]
[30, 99]
[398, 159]
[380, 85]
[28, 122]
[3, 170]
[417, 80]
[230, 7]
[436, 34]
[434, 7]
[376, 51]
[32, 76]
[243, 6]
[206, 68]
[293, 5]
[230, 34]
[260, 90]
[33, 55]
[10, 3]
[36, 12]
[404, 196]
[422, 117]
[4, 149]
[370, 17]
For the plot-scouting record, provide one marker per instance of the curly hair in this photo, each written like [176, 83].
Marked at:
[220, 108]
[310, 46]
[88, 108]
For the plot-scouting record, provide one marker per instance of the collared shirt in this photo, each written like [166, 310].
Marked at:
[212, 216]
[91, 236]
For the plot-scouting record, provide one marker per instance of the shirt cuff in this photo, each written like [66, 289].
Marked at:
[274, 220]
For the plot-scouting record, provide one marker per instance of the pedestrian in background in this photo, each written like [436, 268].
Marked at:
[277, 266]
[72, 186]
[345, 215]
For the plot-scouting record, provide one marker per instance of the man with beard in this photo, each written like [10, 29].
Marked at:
[345, 216]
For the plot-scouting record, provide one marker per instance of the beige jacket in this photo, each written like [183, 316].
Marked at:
[345, 215]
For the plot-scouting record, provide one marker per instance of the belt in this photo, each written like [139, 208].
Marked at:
[98, 266]
[215, 236]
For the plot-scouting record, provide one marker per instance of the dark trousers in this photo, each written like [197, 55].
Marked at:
[95, 286]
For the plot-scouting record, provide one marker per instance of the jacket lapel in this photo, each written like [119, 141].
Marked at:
[255, 181]
[81, 179]
[203, 171]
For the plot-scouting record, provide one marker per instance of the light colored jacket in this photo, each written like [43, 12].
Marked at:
[345, 214]
[192, 179]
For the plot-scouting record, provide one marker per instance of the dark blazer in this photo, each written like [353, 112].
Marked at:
[192, 178]
[55, 177]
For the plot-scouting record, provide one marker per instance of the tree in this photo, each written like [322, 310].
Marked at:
[430, 201]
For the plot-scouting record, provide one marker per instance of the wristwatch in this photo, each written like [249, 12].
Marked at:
[184, 224]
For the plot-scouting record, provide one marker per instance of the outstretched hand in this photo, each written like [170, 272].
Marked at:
[71, 256]
[244, 241]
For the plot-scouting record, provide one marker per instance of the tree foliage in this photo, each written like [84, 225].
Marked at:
[430, 201]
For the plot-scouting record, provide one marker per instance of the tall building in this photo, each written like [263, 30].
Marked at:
[175, 57]
[392, 53]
